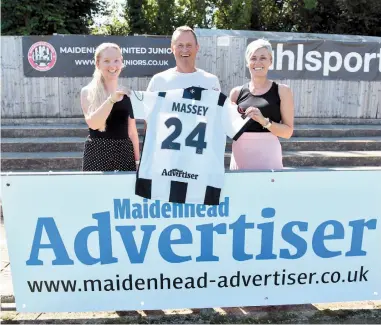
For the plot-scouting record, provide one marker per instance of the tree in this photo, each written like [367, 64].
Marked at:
[136, 12]
[196, 13]
[233, 14]
[165, 20]
[45, 17]
[320, 18]
[360, 17]
[114, 24]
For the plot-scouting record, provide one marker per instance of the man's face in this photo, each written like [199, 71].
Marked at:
[185, 49]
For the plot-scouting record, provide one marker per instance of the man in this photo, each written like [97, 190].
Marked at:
[184, 46]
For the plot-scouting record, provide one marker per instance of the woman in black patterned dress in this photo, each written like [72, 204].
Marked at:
[113, 142]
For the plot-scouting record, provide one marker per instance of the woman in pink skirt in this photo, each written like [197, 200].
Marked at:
[271, 107]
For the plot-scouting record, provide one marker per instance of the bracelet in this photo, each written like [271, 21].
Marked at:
[110, 100]
[268, 124]
[137, 162]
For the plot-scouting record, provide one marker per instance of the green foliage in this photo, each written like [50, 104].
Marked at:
[234, 14]
[114, 24]
[45, 17]
[164, 20]
[196, 13]
[361, 17]
[137, 13]
[161, 17]
[310, 4]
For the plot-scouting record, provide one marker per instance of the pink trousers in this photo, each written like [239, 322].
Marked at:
[256, 150]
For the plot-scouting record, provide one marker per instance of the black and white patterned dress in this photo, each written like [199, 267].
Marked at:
[111, 150]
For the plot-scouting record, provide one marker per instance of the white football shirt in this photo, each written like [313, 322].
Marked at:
[184, 147]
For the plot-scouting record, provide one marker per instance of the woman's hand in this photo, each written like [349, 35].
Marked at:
[255, 114]
[118, 95]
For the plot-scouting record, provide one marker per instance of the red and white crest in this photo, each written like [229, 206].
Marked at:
[42, 56]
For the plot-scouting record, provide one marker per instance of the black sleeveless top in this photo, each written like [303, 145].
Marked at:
[268, 104]
[117, 121]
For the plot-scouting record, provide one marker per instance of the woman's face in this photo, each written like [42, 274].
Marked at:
[110, 63]
[260, 62]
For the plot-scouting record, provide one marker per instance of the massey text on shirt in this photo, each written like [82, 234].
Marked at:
[190, 109]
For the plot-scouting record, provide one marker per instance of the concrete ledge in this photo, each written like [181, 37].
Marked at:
[367, 312]
[298, 120]
[62, 144]
[42, 120]
[46, 161]
[301, 130]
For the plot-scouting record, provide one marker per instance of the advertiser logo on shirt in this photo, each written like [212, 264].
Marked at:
[178, 173]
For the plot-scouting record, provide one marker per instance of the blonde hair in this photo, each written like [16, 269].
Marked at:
[181, 29]
[96, 91]
[256, 45]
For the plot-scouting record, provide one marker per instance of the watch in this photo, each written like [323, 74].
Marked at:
[268, 124]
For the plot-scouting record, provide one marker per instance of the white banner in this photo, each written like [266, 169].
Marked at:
[85, 242]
